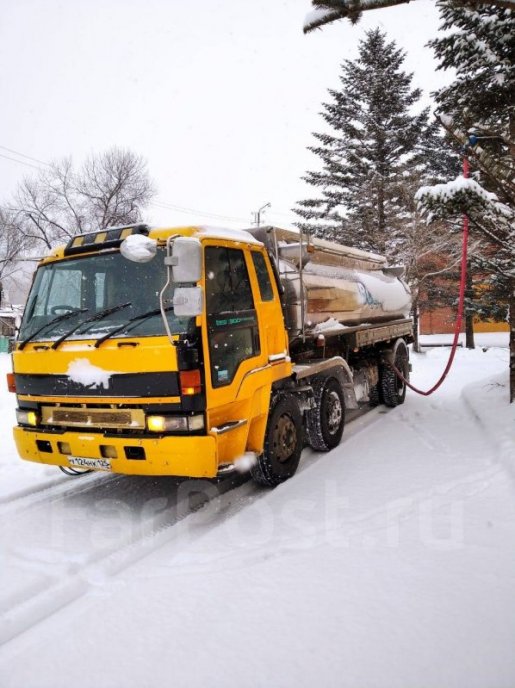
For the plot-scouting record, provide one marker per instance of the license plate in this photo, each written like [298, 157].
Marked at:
[95, 464]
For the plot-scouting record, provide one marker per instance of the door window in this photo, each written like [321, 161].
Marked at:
[231, 315]
[263, 277]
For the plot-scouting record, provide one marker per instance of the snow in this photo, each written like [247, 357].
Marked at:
[449, 190]
[390, 292]
[315, 16]
[85, 373]
[229, 234]
[446, 120]
[272, 358]
[245, 462]
[331, 324]
[139, 248]
[385, 562]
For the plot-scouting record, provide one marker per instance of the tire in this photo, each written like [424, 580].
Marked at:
[393, 389]
[326, 421]
[283, 444]
[374, 395]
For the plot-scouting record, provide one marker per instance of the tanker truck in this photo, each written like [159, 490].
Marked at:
[195, 351]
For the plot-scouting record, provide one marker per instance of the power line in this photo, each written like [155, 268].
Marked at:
[22, 155]
[195, 211]
[158, 203]
[280, 212]
[21, 162]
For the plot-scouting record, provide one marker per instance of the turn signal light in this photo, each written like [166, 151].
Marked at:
[11, 384]
[191, 382]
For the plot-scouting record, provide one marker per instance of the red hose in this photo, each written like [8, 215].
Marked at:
[461, 303]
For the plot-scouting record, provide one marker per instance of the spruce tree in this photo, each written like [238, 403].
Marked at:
[478, 109]
[375, 144]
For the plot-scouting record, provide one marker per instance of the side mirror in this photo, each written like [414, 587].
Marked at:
[186, 260]
[187, 301]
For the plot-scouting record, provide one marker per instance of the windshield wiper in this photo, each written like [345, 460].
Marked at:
[127, 325]
[60, 318]
[94, 318]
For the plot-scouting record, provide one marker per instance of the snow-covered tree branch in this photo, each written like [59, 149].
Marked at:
[328, 11]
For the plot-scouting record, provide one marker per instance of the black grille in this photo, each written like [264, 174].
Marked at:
[163, 384]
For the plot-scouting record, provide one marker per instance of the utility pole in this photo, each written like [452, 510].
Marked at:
[257, 214]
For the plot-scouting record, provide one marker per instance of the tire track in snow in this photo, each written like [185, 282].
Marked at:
[503, 442]
[38, 603]
[35, 489]
[360, 529]
[49, 599]
[29, 497]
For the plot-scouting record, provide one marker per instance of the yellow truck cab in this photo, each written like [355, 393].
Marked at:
[167, 352]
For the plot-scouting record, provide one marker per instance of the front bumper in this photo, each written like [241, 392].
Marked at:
[183, 456]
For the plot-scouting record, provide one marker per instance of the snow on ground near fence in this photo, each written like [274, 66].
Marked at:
[386, 562]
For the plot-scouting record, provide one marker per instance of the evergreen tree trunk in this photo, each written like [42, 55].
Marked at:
[381, 222]
[416, 321]
[469, 330]
[512, 341]
[469, 313]
[511, 299]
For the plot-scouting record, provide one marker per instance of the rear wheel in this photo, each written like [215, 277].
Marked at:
[374, 395]
[393, 389]
[326, 421]
[283, 444]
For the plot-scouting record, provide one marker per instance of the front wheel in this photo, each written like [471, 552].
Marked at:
[283, 444]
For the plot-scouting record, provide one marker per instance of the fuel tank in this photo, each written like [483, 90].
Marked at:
[326, 284]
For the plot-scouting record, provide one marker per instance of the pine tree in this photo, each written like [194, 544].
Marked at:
[481, 48]
[375, 146]
[479, 43]
[478, 109]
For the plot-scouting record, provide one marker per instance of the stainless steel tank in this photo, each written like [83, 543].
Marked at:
[328, 287]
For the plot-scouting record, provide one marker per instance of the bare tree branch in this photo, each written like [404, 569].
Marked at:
[109, 189]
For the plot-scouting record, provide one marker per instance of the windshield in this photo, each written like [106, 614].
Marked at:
[82, 287]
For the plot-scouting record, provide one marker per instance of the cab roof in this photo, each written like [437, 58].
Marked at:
[111, 237]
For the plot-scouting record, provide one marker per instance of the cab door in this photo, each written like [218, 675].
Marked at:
[235, 352]
[273, 330]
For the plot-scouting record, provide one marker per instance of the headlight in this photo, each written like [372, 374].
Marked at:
[27, 417]
[175, 423]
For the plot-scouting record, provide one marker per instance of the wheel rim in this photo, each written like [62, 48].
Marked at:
[334, 412]
[284, 439]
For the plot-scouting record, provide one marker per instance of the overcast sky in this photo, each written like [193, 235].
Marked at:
[220, 96]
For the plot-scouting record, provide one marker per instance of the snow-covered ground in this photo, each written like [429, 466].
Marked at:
[387, 562]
